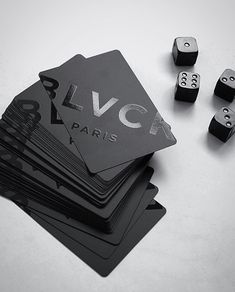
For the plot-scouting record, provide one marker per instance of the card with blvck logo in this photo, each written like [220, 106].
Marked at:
[107, 112]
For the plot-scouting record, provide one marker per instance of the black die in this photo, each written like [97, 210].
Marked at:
[223, 124]
[225, 87]
[187, 86]
[185, 51]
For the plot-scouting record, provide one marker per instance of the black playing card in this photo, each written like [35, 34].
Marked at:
[71, 65]
[106, 111]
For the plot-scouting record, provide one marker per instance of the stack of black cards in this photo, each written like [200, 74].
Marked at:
[75, 148]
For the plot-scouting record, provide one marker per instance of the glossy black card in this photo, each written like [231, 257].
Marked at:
[107, 112]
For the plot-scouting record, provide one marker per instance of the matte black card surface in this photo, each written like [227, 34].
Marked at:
[104, 267]
[88, 250]
[102, 244]
[135, 201]
[107, 112]
[96, 245]
[103, 218]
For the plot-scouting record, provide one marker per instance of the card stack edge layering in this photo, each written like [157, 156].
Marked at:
[75, 148]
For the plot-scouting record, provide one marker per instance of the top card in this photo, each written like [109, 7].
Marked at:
[106, 111]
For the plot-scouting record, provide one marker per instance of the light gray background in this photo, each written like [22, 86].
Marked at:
[192, 248]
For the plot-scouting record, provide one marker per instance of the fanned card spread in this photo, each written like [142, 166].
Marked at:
[75, 148]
